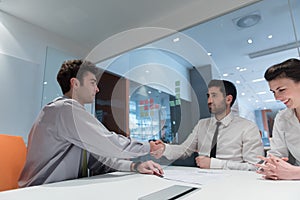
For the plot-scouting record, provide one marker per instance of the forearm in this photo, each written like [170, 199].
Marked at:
[293, 173]
[85, 131]
[232, 165]
[173, 152]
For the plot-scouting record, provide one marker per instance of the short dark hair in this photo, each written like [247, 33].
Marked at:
[74, 69]
[288, 69]
[226, 88]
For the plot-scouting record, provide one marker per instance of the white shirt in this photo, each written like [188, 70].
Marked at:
[238, 144]
[286, 135]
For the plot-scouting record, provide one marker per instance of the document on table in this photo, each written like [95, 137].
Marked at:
[197, 176]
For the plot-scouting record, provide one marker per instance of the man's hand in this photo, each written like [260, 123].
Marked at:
[150, 167]
[157, 148]
[203, 162]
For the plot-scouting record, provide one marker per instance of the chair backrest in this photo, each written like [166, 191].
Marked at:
[12, 160]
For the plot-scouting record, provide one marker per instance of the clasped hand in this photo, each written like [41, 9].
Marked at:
[157, 148]
[275, 168]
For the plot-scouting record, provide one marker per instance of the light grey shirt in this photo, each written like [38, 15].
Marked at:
[61, 131]
[238, 143]
[286, 135]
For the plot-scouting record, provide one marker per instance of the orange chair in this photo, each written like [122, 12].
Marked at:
[12, 160]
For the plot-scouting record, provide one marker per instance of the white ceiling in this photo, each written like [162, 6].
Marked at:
[90, 22]
[229, 47]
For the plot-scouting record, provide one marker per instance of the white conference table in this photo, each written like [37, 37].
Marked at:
[122, 185]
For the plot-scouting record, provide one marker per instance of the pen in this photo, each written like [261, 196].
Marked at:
[261, 162]
[157, 174]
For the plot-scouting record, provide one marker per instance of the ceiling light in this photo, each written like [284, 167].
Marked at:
[238, 68]
[261, 93]
[209, 54]
[249, 41]
[176, 39]
[238, 82]
[149, 92]
[242, 69]
[225, 74]
[270, 36]
[147, 71]
[243, 94]
[258, 80]
[270, 100]
[248, 20]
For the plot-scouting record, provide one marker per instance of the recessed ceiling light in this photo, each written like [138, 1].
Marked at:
[149, 92]
[147, 71]
[176, 39]
[243, 69]
[270, 36]
[249, 41]
[248, 20]
[270, 100]
[225, 74]
[209, 54]
[258, 80]
[243, 94]
[238, 82]
[261, 93]
[238, 68]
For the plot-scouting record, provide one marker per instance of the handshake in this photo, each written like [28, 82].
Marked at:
[157, 148]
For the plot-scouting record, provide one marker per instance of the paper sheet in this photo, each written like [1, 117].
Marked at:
[197, 176]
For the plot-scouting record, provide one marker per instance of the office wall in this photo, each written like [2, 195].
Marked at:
[22, 61]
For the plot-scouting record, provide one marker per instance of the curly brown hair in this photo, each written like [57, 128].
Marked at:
[74, 69]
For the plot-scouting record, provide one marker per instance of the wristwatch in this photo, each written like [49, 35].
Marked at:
[136, 165]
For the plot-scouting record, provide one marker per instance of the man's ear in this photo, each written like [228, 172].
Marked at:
[229, 99]
[74, 83]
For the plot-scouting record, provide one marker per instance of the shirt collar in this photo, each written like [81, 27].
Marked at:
[226, 120]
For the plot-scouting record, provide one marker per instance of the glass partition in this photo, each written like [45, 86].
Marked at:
[54, 60]
[240, 46]
[149, 114]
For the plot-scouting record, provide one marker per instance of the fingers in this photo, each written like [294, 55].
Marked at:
[159, 142]
[203, 162]
[285, 159]
[155, 167]
[150, 167]
[262, 158]
[157, 149]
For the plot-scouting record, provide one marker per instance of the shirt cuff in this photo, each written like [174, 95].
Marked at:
[167, 152]
[217, 163]
[125, 165]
